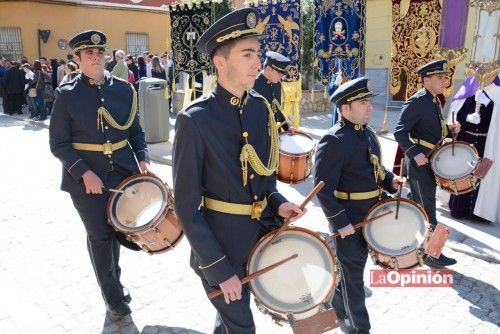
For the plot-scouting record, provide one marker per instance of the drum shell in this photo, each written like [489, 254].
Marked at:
[407, 260]
[160, 234]
[294, 167]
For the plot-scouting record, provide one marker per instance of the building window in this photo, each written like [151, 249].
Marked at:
[137, 43]
[11, 46]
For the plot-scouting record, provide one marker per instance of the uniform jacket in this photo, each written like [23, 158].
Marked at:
[206, 162]
[420, 118]
[271, 92]
[342, 162]
[74, 119]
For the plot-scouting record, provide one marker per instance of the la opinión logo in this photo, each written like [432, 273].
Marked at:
[410, 278]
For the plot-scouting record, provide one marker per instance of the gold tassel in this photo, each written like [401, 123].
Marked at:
[244, 166]
[174, 87]
[325, 94]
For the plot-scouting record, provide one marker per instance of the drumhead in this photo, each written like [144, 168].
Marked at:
[295, 143]
[396, 237]
[142, 204]
[301, 283]
[452, 167]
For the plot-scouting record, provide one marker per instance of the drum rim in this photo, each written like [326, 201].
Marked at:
[442, 147]
[322, 241]
[292, 133]
[378, 204]
[113, 200]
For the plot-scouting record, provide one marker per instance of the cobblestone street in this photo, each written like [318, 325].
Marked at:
[47, 284]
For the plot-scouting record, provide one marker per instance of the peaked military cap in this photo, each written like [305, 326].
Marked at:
[352, 90]
[235, 25]
[87, 40]
[277, 61]
[434, 67]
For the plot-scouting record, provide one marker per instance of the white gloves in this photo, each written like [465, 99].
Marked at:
[482, 98]
[474, 118]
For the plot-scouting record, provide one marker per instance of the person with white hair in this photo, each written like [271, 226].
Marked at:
[121, 69]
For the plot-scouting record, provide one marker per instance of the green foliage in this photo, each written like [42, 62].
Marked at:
[307, 9]
[222, 8]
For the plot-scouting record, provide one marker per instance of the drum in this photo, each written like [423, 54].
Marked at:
[301, 287]
[454, 173]
[397, 243]
[296, 154]
[143, 210]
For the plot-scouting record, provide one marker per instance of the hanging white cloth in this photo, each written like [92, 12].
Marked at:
[488, 203]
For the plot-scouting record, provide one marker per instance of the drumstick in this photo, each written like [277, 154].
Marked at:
[400, 188]
[287, 221]
[453, 136]
[364, 222]
[256, 274]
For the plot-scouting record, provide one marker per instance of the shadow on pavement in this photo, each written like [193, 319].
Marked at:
[127, 326]
[168, 330]
[484, 297]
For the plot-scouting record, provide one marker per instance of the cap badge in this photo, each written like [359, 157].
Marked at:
[95, 38]
[445, 66]
[251, 20]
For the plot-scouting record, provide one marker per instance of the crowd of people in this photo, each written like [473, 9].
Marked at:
[18, 77]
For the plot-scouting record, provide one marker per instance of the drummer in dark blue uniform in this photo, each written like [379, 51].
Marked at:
[268, 84]
[225, 157]
[349, 161]
[95, 133]
[420, 127]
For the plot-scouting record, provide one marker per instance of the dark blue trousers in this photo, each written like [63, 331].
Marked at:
[349, 297]
[102, 244]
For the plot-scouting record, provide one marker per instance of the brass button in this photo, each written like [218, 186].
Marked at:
[252, 176]
[107, 141]
[110, 161]
[245, 134]
[255, 197]
[102, 99]
[109, 155]
[106, 127]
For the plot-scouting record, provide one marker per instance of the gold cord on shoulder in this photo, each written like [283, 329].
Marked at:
[103, 113]
[248, 154]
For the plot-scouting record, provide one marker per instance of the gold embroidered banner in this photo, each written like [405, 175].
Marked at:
[415, 35]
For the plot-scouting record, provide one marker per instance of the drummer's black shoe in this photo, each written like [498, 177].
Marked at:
[127, 298]
[118, 312]
[441, 262]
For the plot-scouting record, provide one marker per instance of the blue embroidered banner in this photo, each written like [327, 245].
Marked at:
[280, 21]
[339, 36]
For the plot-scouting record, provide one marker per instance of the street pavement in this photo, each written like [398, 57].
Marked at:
[47, 284]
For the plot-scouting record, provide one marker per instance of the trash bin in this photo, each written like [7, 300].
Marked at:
[153, 109]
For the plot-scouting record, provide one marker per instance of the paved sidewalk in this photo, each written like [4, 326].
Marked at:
[47, 284]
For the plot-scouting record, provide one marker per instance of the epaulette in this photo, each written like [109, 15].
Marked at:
[199, 100]
[254, 93]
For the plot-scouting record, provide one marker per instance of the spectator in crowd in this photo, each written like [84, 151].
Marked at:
[112, 63]
[60, 71]
[132, 66]
[120, 69]
[54, 64]
[70, 70]
[28, 80]
[3, 68]
[142, 67]
[156, 70]
[149, 65]
[14, 89]
[39, 84]
[48, 90]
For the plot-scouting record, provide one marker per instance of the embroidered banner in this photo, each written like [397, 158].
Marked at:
[188, 24]
[452, 33]
[280, 21]
[339, 36]
[414, 41]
